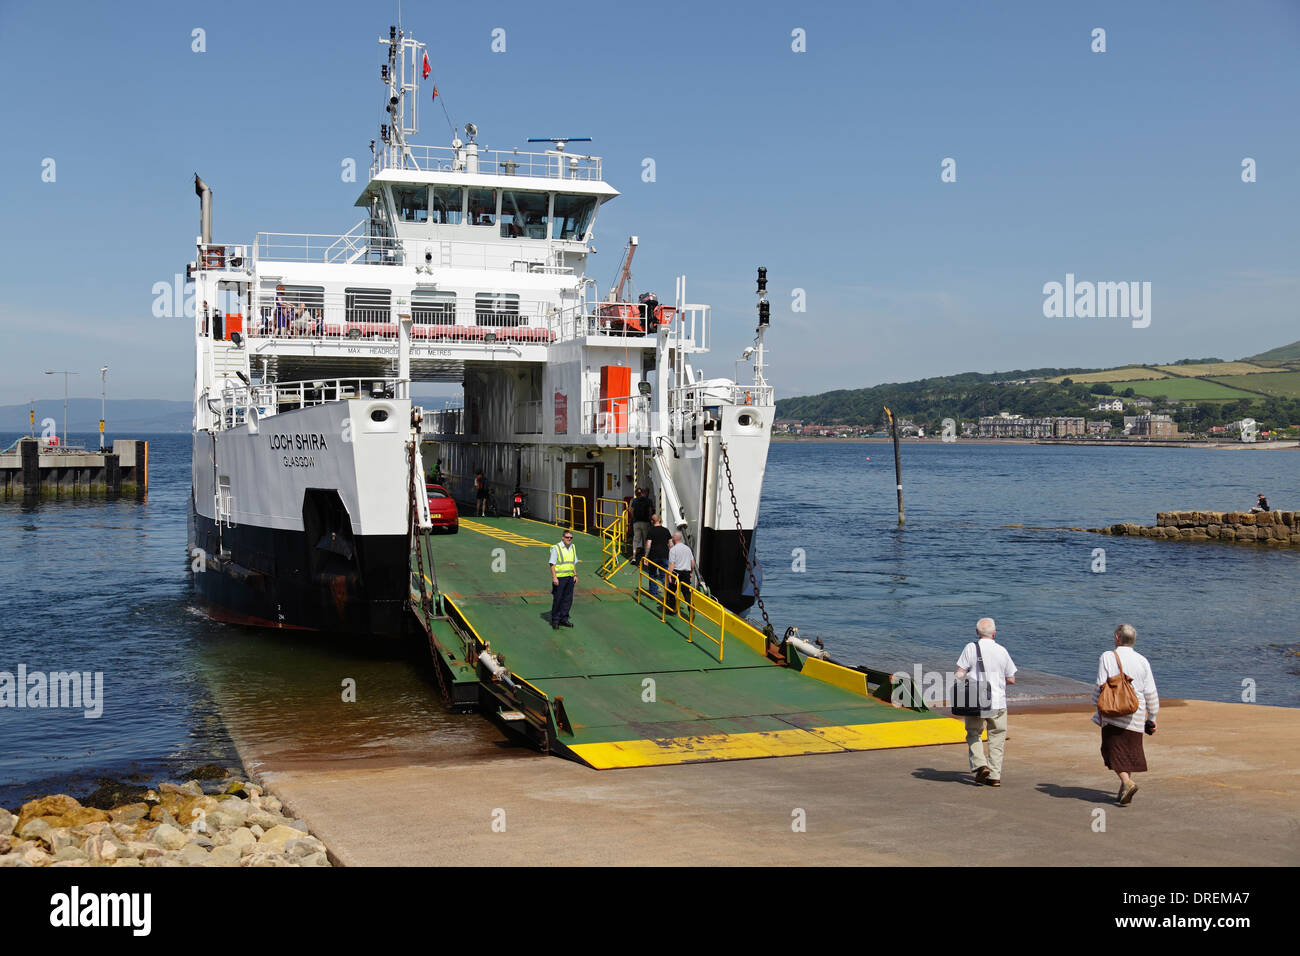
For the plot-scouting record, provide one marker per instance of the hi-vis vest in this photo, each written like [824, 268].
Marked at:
[564, 568]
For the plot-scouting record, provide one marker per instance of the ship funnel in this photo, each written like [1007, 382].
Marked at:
[205, 209]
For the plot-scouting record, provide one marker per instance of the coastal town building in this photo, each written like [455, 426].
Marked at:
[1005, 425]
[1110, 405]
[1065, 427]
[1099, 427]
[1154, 426]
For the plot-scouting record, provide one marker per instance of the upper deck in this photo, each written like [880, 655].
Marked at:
[473, 159]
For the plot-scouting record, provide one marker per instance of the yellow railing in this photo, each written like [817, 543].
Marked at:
[608, 510]
[565, 507]
[702, 615]
[611, 545]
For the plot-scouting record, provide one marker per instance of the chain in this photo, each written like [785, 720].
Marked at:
[744, 543]
[419, 540]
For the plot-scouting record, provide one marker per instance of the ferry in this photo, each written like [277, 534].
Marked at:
[469, 265]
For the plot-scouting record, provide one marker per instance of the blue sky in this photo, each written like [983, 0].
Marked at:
[823, 166]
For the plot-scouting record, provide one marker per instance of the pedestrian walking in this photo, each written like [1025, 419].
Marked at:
[1121, 733]
[564, 575]
[657, 545]
[991, 664]
[681, 562]
[641, 508]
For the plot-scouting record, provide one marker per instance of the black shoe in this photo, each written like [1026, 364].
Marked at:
[566, 624]
[982, 774]
[554, 626]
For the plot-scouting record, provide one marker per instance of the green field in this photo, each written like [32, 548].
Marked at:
[1277, 384]
[1186, 389]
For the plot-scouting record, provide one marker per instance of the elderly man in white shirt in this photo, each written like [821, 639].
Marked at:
[998, 670]
[1121, 737]
[681, 563]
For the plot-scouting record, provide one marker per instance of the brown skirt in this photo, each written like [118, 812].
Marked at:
[1122, 749]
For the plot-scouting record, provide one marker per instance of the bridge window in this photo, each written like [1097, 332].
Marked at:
[368, 305]
[412, 203]
[523, 215]
[433, 308]
[482, 207]
[572, 216]
[448, 205]
[496, 309]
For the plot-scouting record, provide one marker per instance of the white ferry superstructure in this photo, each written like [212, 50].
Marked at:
[470, 266]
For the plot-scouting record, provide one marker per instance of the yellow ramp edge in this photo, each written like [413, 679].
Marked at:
[662, 751]
[670, 750]
[898, 733]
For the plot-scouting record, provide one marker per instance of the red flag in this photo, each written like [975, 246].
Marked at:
[426, 66]
[435, 93]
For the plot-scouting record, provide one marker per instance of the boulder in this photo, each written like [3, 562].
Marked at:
[225, 856]
[8, 822]
[126, 861]
[60, 810]
[264, 819]
[169, 837]
[242, 837]
[193, 855]
[1213, 530]
[34, 829]
[305, 846]
[314, 859]
[278, 836]
[6, 841]
[129, 813]
[70, 853]
[37, 857]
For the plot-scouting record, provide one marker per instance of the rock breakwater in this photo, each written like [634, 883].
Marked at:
[234, 824]
[1273, 528]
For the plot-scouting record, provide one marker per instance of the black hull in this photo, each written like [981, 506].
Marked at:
[264, 577]
[722, 565]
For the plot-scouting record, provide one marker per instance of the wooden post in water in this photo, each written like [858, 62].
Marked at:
[898, 464]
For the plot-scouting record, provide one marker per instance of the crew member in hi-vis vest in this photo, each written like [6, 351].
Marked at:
[564, 574]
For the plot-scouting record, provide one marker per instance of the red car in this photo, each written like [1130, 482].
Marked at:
[442, 508]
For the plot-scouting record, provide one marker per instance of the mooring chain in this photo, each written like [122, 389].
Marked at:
[744, 544]
[419, 563]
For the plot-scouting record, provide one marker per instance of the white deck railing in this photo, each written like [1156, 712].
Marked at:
[492, 162]
[232, 406]
[353, 246]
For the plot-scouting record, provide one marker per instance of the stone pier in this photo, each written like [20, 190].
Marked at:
[1274, 528]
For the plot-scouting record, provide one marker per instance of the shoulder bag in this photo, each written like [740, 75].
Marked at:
[967, 693]
[1117, 697]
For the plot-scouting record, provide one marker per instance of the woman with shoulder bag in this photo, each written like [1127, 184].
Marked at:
[1127, 704]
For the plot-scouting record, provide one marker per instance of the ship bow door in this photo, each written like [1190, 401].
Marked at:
[332, 560]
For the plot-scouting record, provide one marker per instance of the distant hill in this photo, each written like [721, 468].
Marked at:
[125, 417]
[1220, 391]
[1284, 353]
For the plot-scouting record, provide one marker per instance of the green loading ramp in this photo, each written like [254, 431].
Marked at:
[631, 685]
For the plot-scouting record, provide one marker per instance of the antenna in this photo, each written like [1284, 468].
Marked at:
[401, 76]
